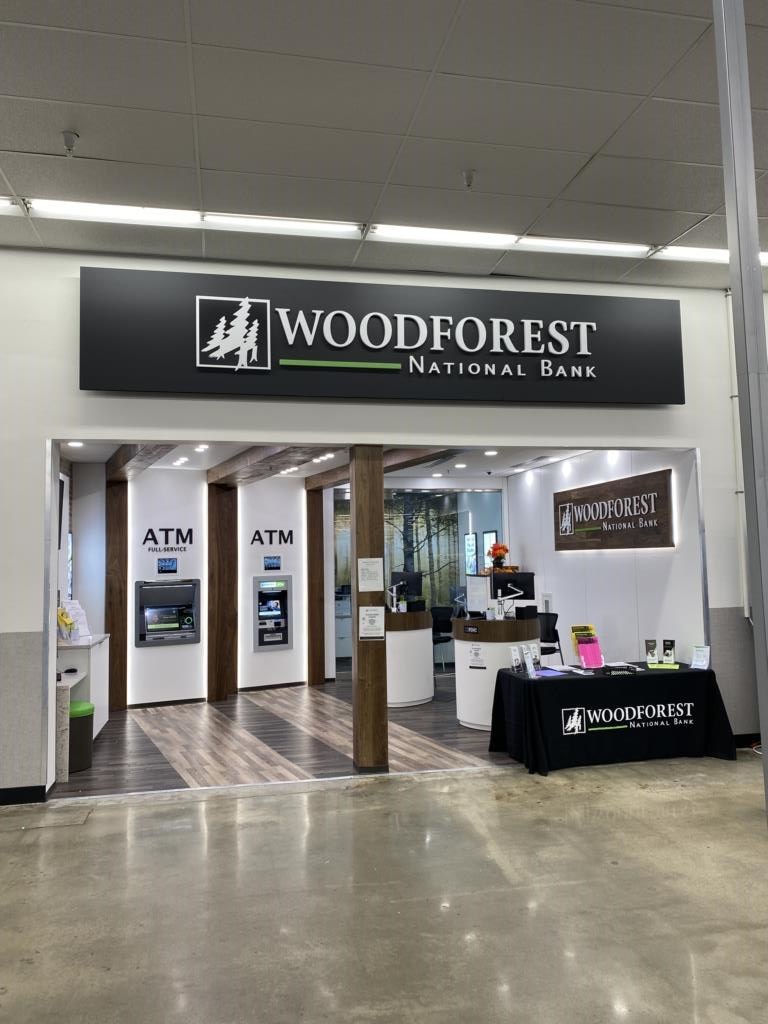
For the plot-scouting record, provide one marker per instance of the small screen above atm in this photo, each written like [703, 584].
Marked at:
[167, 566]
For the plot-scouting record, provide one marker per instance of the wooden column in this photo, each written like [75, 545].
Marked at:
[315, 589]
[369, 659]
[116, 592]
[222, 591]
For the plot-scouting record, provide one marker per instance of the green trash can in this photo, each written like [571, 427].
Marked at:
[80, 735]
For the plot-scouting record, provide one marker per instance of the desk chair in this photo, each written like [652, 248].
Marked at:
[549, 638]
[442, 630]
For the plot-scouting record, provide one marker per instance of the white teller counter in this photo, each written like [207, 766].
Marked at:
[410, 669]
[482, 648]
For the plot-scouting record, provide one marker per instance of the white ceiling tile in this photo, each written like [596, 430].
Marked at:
[272, 87]
[231, 145]
[557, 42]
[280, 196]
[434, 258]
[762, 197]
[63, 234]
[510, 114]
[695, 78]
[612, 223]
[101, 181]
[756, 12]
[230, 245]
[399, 33]
[670, 130]
[158, 19]
[500, 170]
[86, 68]
[712, 233]
[685, 275]
[17, 231]
[451, 208]
[654, 184]
[555, 266]
[109, 133]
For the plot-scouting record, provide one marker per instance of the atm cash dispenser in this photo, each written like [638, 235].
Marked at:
[272, 609]
[167, 613]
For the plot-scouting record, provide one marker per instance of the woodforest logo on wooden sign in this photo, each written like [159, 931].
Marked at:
[634, 512]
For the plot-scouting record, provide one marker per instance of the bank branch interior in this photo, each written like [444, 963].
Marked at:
[210, 602]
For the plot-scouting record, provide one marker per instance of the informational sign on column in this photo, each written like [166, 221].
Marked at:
[371, 622]
[370, 574]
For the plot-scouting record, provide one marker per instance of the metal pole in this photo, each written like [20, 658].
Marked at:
[748, 316]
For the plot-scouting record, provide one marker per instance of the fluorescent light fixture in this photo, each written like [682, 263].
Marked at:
[691, 254]
[582, 247]
[440, 236]
[74, 444]
[109, 213]
[460, 465]
[282, 225]
[491, 451]
[9, 208]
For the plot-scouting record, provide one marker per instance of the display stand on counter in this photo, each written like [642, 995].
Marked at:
[410, 668]
[482, 648]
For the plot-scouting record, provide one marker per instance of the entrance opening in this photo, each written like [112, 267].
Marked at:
[202, 587]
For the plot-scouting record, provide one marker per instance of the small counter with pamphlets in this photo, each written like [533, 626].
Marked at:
[563, 720]
[482, 648]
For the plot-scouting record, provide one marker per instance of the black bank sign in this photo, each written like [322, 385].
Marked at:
[147, 331]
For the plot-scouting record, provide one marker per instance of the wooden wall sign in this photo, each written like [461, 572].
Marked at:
[634, 512]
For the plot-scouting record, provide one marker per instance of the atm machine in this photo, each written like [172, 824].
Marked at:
[167, 613]
[272, 613]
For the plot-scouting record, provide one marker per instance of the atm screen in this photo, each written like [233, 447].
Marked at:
[162, 620]
[269, 608]
[167, 565]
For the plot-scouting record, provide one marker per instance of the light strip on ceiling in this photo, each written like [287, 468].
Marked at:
[111, 214]
[692, 254]
[439, 236]
[283, 226]
[582, 247]
[8, 207]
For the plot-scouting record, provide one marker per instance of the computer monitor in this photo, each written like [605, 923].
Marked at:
[504, 581]
[411, 583]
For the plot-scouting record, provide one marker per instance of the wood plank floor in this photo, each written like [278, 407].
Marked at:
[268, 735]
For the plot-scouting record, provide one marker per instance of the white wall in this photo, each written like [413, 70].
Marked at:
[89, 497]
[66, 526]
[629, 595]
[167, 498]
[40, 399]
[278, 503]
[330, 585]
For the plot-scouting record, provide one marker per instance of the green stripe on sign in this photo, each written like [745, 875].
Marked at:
[605, 728]
[340, 364]
[587, 529]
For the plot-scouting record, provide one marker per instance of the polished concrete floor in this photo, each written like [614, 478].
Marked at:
[622, 893]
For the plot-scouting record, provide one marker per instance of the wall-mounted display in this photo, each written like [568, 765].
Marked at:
[272, 563]
[272, 337]
[272, 614]
[634, 512]
[470, 553]
[489, 538]
[167, 613]
[167, 566]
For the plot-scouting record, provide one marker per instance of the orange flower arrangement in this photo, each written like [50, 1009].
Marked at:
[497, 553]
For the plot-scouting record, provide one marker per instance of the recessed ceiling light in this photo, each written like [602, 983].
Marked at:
[460, 465]
[201, 448]
[74, 444]
[491, 451]
[552, 458]
[437, 474]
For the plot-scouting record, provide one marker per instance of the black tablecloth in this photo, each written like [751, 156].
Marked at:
[563, 721]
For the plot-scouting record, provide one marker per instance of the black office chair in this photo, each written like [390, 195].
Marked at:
[549, 638]
[442, 628]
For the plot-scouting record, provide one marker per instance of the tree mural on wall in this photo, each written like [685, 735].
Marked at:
[420, 535]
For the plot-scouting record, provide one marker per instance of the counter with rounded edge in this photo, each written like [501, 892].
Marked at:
[410, 669]
[482, 648]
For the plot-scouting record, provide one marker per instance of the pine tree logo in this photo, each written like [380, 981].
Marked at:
[565, 516]
[574, 721]
[233, 333]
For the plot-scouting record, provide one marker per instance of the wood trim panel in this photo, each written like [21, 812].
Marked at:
[131, 459]
[394, 458]
[258, 463]
[370, 742]
[505, 631]
[222, 592]
[403, 622]
[315, 589]
[116, 592]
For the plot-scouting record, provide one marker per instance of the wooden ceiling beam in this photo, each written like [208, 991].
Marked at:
[131, 459]
[260, 462]
[393, 459]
